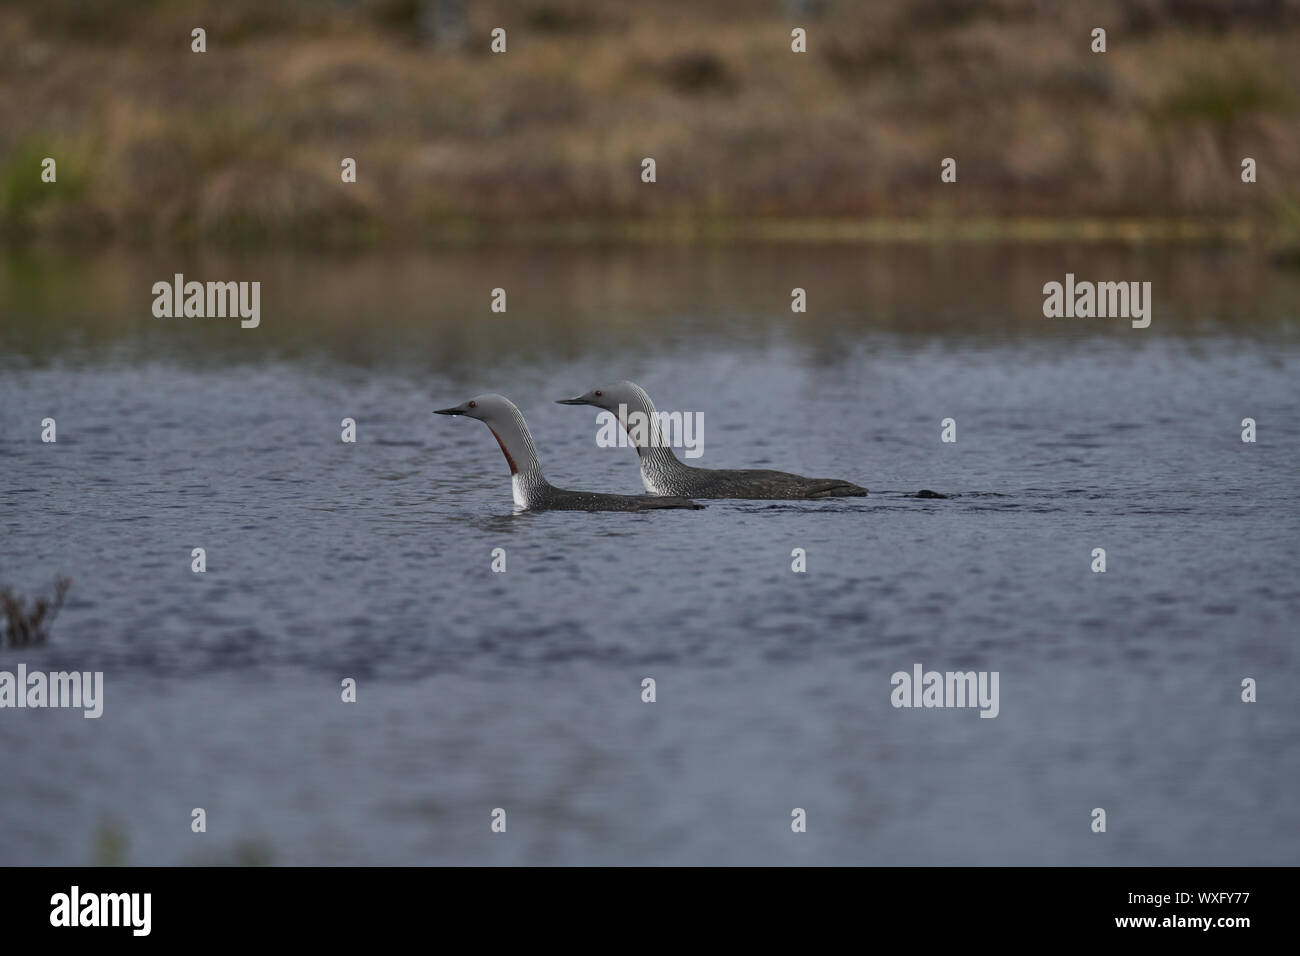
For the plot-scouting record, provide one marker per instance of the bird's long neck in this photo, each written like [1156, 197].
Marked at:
[648, 437]
[511, 433]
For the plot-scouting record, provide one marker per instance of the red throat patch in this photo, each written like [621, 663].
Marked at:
[514, 469]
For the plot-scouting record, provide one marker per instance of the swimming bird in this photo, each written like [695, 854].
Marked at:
[663, 474]
[532, 491]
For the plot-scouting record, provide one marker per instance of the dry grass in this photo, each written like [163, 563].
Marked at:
[243, 143]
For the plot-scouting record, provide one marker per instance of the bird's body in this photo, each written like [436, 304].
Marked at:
[531, 490]
[663, 474]
[742, 483]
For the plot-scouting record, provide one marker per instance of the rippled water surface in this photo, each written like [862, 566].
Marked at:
[522, 690]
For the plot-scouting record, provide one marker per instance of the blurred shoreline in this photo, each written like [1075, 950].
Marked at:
[242, 145]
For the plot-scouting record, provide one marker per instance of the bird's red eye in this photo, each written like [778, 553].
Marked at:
[598, 393]
[473, 404]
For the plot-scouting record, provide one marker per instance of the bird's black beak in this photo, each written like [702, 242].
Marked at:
[572, 401]
[448, 411]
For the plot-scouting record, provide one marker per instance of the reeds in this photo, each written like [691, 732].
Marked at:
[30, 626]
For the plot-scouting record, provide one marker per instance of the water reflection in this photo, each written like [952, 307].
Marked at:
[410, 313]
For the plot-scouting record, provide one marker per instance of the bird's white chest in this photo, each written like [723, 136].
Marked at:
[517, 489]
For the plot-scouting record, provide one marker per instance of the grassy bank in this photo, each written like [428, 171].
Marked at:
[243, 143]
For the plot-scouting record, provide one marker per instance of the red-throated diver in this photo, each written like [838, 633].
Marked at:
[663, 474]
[531, 489]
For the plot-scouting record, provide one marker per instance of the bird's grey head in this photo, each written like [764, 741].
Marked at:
[488, 408]
[507, 425]
[609, 397]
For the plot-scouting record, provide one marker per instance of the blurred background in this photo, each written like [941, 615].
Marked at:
[775, 170]
[243, 143]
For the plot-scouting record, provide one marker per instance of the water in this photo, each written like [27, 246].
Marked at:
[522, 690]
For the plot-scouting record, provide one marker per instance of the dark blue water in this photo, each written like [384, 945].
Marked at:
[522, 690]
